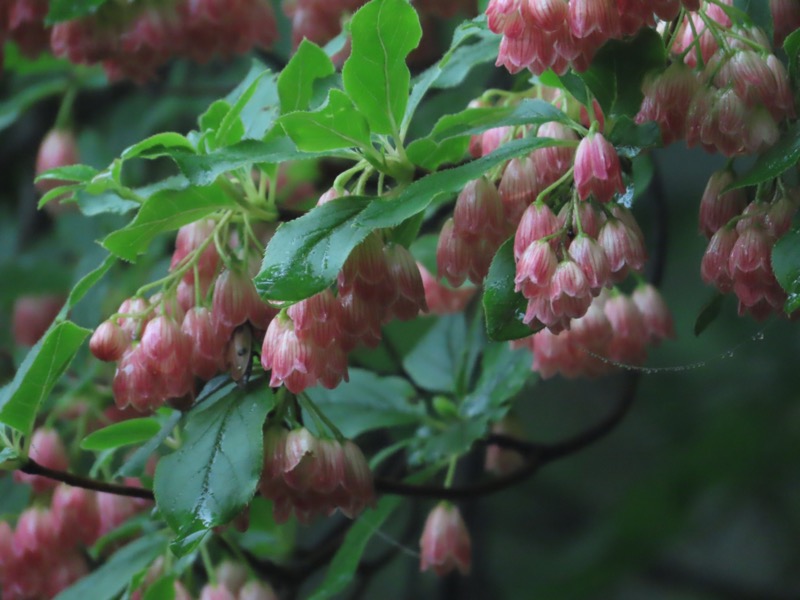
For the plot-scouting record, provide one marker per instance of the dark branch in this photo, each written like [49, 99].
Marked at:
[537, 455]
[31, 467]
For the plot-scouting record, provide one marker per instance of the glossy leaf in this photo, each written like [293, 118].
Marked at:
[337, 124]
[775, 161]
[296, 82]
[65, 10]
[108, 202]
[631, 139]
[786, 265]
[255, 89]
[368, 402]
[79, 173]
[306, 254]
[38, 374]
[126, 433]
[504, 373]
[213, 475]
[375, 75]
[618, 70]
[504, 307]
[136, 463]
[165, 211]
[158, 145]
[113, 576]
[709, 313]
[434, 362]
[791, 45]
[344, 565]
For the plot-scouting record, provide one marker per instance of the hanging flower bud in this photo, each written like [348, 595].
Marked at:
[47, 449]
[445, 543]
[656, 314]
[59, 148]
[32, 315]
[597, 169]
[109, 342]
[716, 207]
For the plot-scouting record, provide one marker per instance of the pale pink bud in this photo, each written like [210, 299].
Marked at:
[592, 260]
[479, 211]
[301, 462]
[257, 590]
[535, 269]
[109, 342]
[452, 255]
[655, 312]
[356, 483]
[293, 362]
[761, 131]
[714, 266]
[165, 347]
[76, 515]
[551, 162]
[133, 385]
[716, 207]
[628, 344]
[518, 188]
[570, 293]
[32, 315]
[216, 592]
[36, 536]
[442, 300]
[47, 449]
[499, 460]
[597, 169]
[545, 15]
[537, 222]
[136, 315]
[600, 17]
[445, 544]
[59, 148]
[316, 319]
[207, 357]
[231, 576]
[189, 238]
[779, 217]
[403, 271]
[623, 248]
[366, 273]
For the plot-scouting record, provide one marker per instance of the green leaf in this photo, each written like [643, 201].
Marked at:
[158, 145]
[135, 465]
[709, 313]
[504, 373]
[775, 161]
[232, 127]
[203, 169]
[631, 139]
[261, 106]
[88, 281]
[791, 45]
[113, 576]
[375, 75]
[368, 402]
[450, 136]
[786, 266]
[126, 433]
[434, 362]
[79, 173]
[296, 81]
[336, 124]
[163, 589]
[65, 10]
[165, 211]
[618, 70]
[759, 13]
[38, 374]
[109, 202]
[11, 109]
[306, 254]
[212, 477]
[342, 569]
[264, 537]
[454, 66]
[504, 307]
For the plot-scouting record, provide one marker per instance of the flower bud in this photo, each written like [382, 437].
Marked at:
[59, 148]
[109, 342]
[445, 543]
[597, 169]
[32, 315]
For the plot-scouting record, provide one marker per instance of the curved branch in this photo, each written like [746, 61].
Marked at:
[31, 467]
[537, 455]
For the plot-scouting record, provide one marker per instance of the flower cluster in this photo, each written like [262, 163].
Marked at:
[132, 41]
[308, 343]
[725, 90]
[32, 315]
[313, 476]
[50, 539]
[741, 236]
[23, 22]
[164, 344]
[559, 34]
[615, 330]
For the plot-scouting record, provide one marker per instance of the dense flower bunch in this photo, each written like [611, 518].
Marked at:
[23, 22]
[559, 34]
[50, 539]
[313, 476]
[133, 42]
[203, 325]
[741, 236]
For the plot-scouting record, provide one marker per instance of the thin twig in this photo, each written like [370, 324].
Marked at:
[31, 467]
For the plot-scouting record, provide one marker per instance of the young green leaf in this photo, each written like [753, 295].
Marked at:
[157, 145]
[375, 76]
[306, 254]
[79, 173]
[113, 576]
[434, 362]
[782, 156]
[504, 372]
[504, 307]
[213, 475]
[336, 124]
[126, 433]
[368, 402]
[38, 374]
[165, 211]
[296, 81]
[786, 265]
